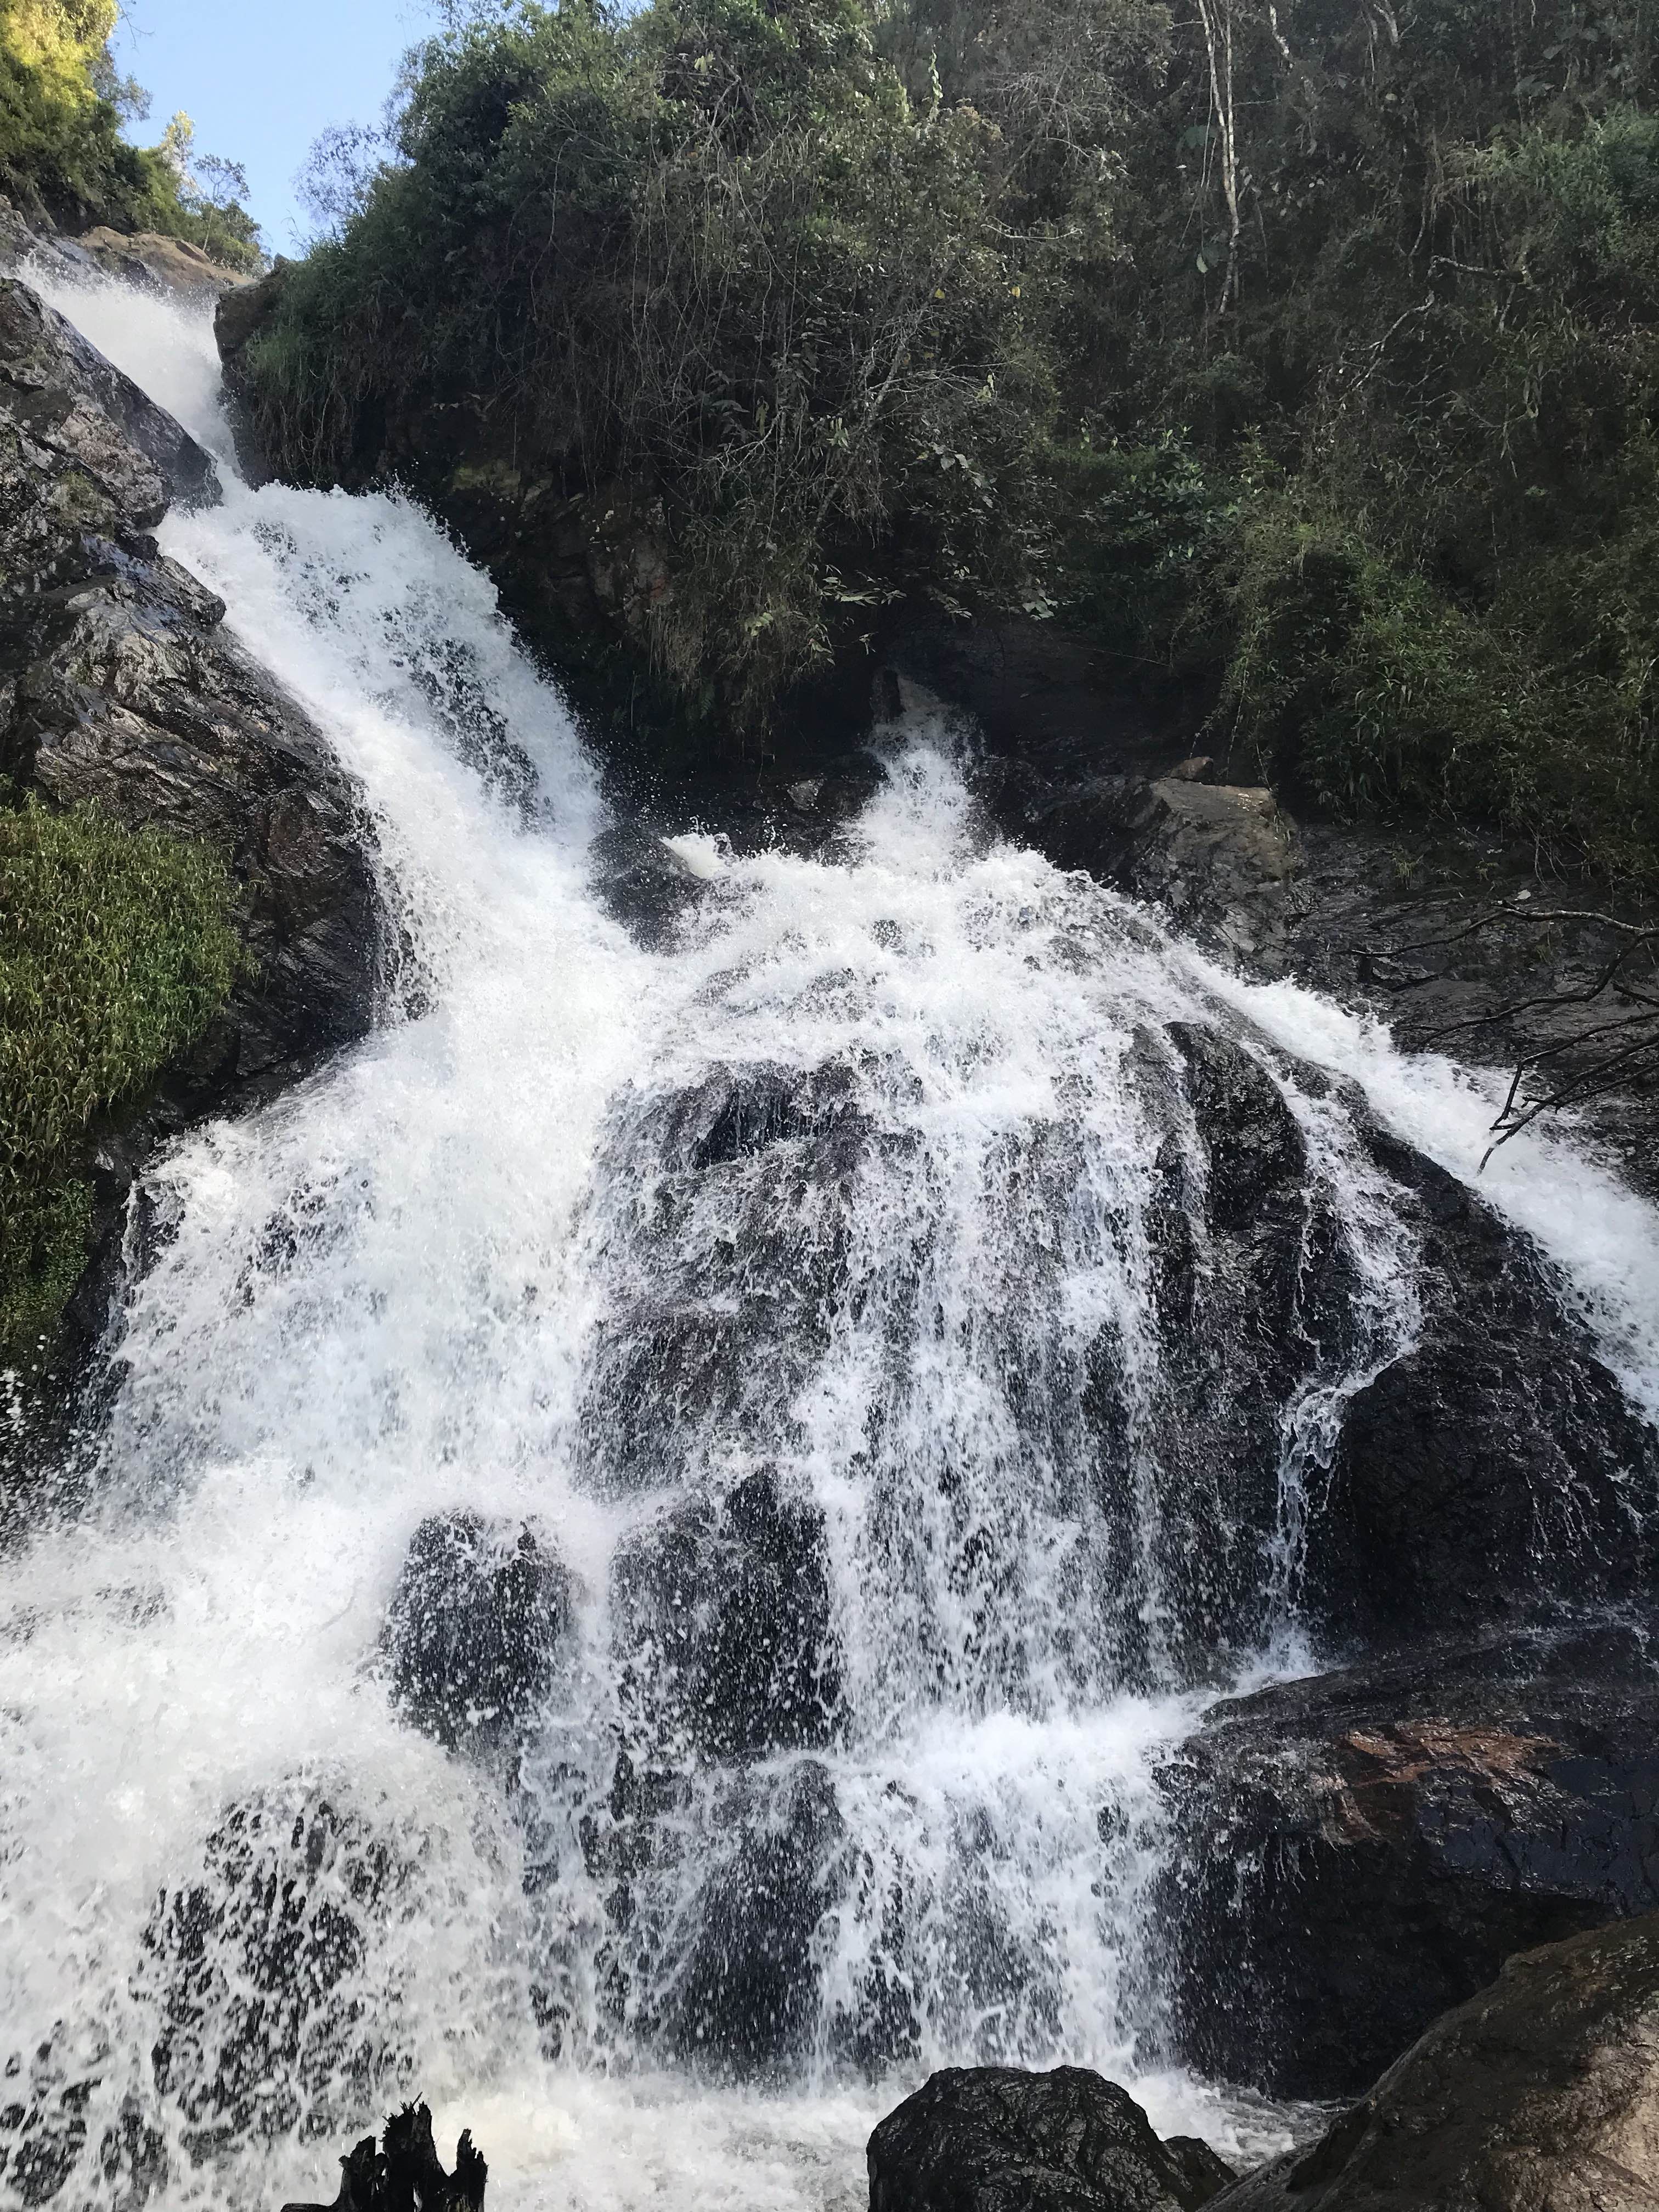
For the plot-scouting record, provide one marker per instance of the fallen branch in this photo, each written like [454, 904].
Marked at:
[1622, 1053]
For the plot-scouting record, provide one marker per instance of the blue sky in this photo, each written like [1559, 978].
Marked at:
[261, 80]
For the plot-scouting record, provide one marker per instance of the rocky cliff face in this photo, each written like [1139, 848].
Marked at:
[119, 686]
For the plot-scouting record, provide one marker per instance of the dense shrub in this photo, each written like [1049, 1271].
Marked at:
[1309, 351]
[714, 250]
[61, 148]
[116, 952]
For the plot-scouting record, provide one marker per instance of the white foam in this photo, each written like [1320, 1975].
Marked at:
[377, 1305]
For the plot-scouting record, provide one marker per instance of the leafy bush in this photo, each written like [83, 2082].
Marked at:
[713, 254]
[61, 148]
[1307, 351]
[116, 952]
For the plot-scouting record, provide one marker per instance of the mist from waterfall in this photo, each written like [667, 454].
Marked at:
[457, 1269]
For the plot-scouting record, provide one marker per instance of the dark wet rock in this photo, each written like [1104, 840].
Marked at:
[722, 1623]
[118, 686]
[84, 445]
[43, 2125]
[407, 2171]
[1541, 2094]
[1050, 705]
[1252, 1294]
[1494, 1465]
[1383, 919]
[1358, 1850]
[258, 1969]
[993, 2139]
[1491, 1467]
[474, 1630]
[714, 1886]
[723, 1273]
[1219, 860]
[741, 1997]
[643, 882]
[1202, 2171]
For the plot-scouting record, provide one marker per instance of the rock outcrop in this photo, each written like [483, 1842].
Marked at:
[1358, 1850]
[722, 1623]
[1541, 2094]
[996, 2139]
[148, 260]
[474, 1629]
[1219, 860]
[119, 686]
[159, 263]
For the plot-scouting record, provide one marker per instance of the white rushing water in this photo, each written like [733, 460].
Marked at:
[460, 1268]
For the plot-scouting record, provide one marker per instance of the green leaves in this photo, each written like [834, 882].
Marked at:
[116, 952]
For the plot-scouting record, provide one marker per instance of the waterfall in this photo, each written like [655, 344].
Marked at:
[799, 1285]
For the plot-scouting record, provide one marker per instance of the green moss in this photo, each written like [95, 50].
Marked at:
[116, 952]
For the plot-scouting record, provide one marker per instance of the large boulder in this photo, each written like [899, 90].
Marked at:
[474, 1631]
[1353, 1397]
[1356, 1851]
[1494, 1465]
[996, 2139]
[1541, 2094]
[721, 1625]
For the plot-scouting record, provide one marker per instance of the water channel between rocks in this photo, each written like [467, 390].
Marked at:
[801, 1291]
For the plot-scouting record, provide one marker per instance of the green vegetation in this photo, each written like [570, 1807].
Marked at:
[1309, 351]
[116, 952]
[61, 150]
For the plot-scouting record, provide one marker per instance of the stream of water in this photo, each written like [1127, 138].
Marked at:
[473, 1265]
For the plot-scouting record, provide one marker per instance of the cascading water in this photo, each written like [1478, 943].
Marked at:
[804, 1291]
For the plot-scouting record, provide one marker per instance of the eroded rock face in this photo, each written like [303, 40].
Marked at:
[1358, 1850]
[1449, 1455]
[474, 1629]
[994, 2139]
[158, 263]
[1496, 1464]
[1541, 2094]
[117, 685]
